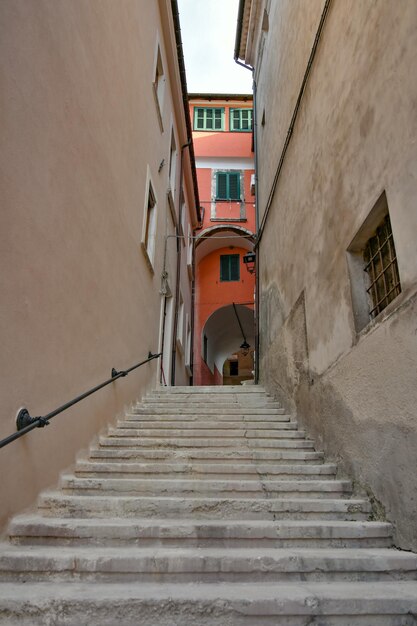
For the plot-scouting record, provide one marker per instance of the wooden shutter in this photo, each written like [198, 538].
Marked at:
[234, 186]
[221, 191]
[235, 119]
[234, 266]
[218, 119]
[199, 118]
[224, 267]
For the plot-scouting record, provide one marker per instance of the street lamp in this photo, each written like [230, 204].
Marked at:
[249, 260]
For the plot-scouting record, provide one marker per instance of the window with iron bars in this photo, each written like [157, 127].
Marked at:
[381, 268]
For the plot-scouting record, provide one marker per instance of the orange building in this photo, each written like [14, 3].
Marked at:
[224, 288]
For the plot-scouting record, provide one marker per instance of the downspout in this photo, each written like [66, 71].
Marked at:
[192, 312]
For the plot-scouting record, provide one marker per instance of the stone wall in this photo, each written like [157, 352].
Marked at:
[354, 138]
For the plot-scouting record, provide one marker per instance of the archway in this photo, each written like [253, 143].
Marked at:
[222, 338]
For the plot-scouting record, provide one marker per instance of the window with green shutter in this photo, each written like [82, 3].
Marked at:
[229, 267]
[208, 118]
[241, 120]
[228, 186]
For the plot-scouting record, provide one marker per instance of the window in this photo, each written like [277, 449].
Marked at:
[372, 261]
[188, 342]
[149, 225]
[229, 267]
[172, 163]
[180, 324]
[241, 120]
[159, 85]
[208, 118]
[228, 186]
[234, 368]
[381, 267]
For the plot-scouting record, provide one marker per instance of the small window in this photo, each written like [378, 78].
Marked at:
[208, 118]
[205, 349]
[159, 85]
[228, 186]
[229, 267]
[172, 163]
[180, 325]
[149, 225]
[234, 368]
[241, 120]
[381, 267]
[188, 342]
[373, 268]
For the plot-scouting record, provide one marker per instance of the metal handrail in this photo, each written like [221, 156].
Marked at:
[25, 423]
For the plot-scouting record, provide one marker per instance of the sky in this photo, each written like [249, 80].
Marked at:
[208, 31]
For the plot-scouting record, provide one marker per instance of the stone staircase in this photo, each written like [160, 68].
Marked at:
[205, 505]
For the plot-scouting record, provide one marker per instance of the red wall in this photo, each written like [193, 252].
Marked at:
[211, 294]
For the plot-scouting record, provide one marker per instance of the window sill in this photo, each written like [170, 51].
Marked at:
[394, 307]
[147, 258]
[158, 110]
[228, 219]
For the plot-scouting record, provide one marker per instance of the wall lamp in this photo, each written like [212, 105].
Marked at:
[249, 260]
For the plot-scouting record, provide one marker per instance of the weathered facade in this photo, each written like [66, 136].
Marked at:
[97, 188]
[336, 127]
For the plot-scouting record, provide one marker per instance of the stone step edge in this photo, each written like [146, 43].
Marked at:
[280, 529]
[376, 559]
[95, 602]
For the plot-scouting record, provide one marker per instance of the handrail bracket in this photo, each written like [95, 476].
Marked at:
[24, 419]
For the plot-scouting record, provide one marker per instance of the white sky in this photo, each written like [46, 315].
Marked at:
[208, 31]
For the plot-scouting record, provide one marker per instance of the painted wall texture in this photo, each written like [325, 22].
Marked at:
[83, 136]
[223, 146]
[352, 384]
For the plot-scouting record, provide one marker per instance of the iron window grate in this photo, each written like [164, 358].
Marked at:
[382, 268]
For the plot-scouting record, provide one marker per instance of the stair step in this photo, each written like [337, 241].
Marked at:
[214, 501]
[194, 442]
[190, 418]
[205, 470]
[31, 529]
[204, 564]
[206, 410]
[229, 455]
[178, 433]
[191, 487]
[68, 505]
[211, 604]
[208, 425]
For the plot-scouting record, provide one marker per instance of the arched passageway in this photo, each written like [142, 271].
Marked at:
[222, 338]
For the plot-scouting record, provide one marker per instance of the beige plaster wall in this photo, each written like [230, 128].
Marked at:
[79, 131]
[354, 137]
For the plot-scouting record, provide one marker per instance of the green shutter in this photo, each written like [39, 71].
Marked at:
[234, 266]
[221, 191]
[235, 119]
[218, 119]
[199, 118]
[241, 120]
[234, 186]
[229, 267]
[224, 267]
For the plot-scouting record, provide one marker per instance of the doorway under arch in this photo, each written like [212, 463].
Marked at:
[222, 337]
